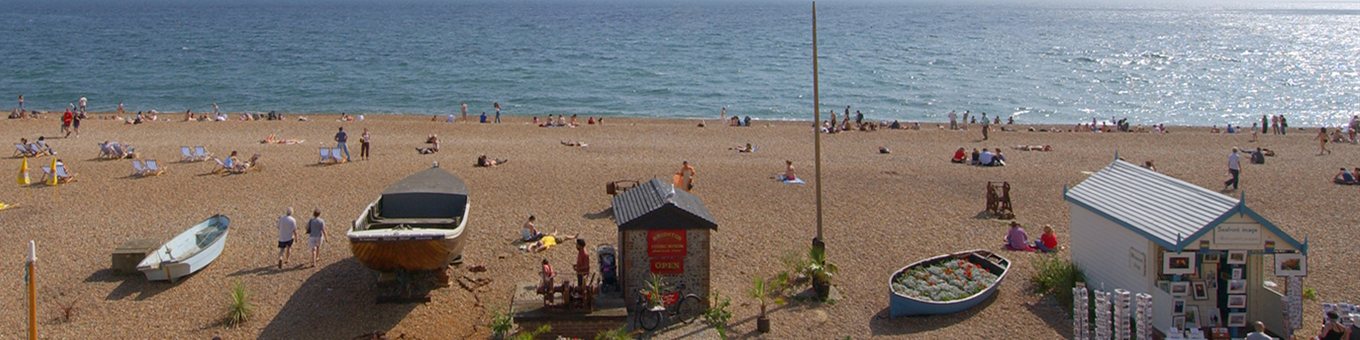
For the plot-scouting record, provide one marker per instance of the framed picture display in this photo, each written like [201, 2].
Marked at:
[1200, 291]
[1237, 301]
[1164, 285]
[1237, 257]
[1180, 288]
[1237, 319]
[1291, 264]
[1211, 257]
[1237, 286]
[1178, 263]
[1212, 284]
[1215, 319]
[1178, 306]
[1178, 322]
[1192, 316]
[1237, 274]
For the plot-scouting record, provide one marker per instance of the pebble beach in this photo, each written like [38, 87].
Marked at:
[881, 212]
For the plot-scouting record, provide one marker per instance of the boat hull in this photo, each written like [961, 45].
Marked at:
[157, 267]
[902, 305]
[407, 249]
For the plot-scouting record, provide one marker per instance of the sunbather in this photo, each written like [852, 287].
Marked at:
[240, 167]
[1344, 177]
[273, 139]
[1044, 147]
[575, 143]
[484, 161]
[433, 140]
[530, 233]
[547, 242]
[788, 172]
[747, 148]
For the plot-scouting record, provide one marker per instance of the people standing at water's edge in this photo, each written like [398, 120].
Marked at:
[316, 233]
[463, 109]
[83, 104]
[120, 108]
[1234, 169]
[953, 120]
[363, 145]
[723, 113]
[21, 104]
[986, 126]
[1284, 125]
[340, 139]
[497, 106]
[287, 233]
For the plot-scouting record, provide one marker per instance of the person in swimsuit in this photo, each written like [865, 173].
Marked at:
[788, 172]
[689, 180]
[1332, 329]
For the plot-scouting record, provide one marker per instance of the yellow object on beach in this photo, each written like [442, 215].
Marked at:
[23, 173]
[549, 241]
[4, 206]
[53, 175]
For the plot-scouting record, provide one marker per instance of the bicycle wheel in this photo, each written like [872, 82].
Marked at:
[689, 308]
[649, 319]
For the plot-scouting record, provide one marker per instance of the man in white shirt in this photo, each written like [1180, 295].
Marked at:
[1234, 168]
[985, 158]
[287, 233]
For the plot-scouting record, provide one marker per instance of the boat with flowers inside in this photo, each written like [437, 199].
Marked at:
[946, 284]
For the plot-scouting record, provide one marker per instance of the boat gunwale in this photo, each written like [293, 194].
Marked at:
[989, 290]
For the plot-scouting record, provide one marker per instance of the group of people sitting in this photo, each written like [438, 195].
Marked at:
[1347, 177]
[561, 121]
[141, 117]
[1018, 240]
[738, 121]
[233, 164]
[115, 150]
[895, 125]
[987, 157]
[35, 149]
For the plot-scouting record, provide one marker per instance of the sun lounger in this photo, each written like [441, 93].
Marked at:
[63, 176]
[37, 149]
[252, 164]
[337, 154]
[21, 150]
[188, 155]
[46, 173]
[104, 150]
[153, 168]
[201, 153]
[137, 168]
[325, 154]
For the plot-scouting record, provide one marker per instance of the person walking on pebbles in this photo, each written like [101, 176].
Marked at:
[287, 233]
[363, 145]
[340, 139]
[316, 233]
[1234, 169]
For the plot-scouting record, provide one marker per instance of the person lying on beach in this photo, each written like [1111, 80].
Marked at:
[433, 140]
[884, 150]
[747, 148]
[1148, 165]
[575, 143]
[1344, 177]
[547, 242]
[960, 156]
[1044, 147]
[272, 139]
[487, 162]
[734, 121]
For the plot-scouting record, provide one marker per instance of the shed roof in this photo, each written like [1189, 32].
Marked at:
[1166, 210]
[657, 205]
[433, 181]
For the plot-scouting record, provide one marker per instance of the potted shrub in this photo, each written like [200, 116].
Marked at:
[760, 291]
[820, 271]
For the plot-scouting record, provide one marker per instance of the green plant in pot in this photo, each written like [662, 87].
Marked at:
[760, 290]
[820, 271]
[655, 285]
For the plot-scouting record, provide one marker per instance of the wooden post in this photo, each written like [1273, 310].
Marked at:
[33, 288]
[817, 242]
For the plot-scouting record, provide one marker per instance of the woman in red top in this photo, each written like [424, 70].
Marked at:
[1048, 242]
[959, 156]
[66, 121]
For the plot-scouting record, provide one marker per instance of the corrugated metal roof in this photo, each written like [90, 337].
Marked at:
[1161, 207]
[656, 197]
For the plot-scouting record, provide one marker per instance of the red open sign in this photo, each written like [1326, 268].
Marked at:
[668, 265]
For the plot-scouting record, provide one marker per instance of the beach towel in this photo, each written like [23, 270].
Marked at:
[794, 181]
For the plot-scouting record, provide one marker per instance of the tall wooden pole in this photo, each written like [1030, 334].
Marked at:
[817, 242]
[33, 289]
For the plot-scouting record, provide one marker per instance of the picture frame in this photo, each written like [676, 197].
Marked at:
[1237, 286]
[1291, 264]
[1178, 306]
[1215, 319]
[1237, 273]
[1164, 285]
[1237, 319]
[1237, 257]
[1180, 288]
[1211, 284]
[1178, 322]
[1178, 263]
[1201, 292]
[1192, 316]
[1211, 257]
[1237, 301]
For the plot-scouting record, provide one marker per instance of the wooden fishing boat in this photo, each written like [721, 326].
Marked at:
[188, 252]
[415, 225]
[901, 304]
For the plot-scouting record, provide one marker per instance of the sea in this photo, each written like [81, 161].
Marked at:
[1182, 63]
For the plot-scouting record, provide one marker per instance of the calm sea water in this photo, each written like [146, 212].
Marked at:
[1195, 65]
